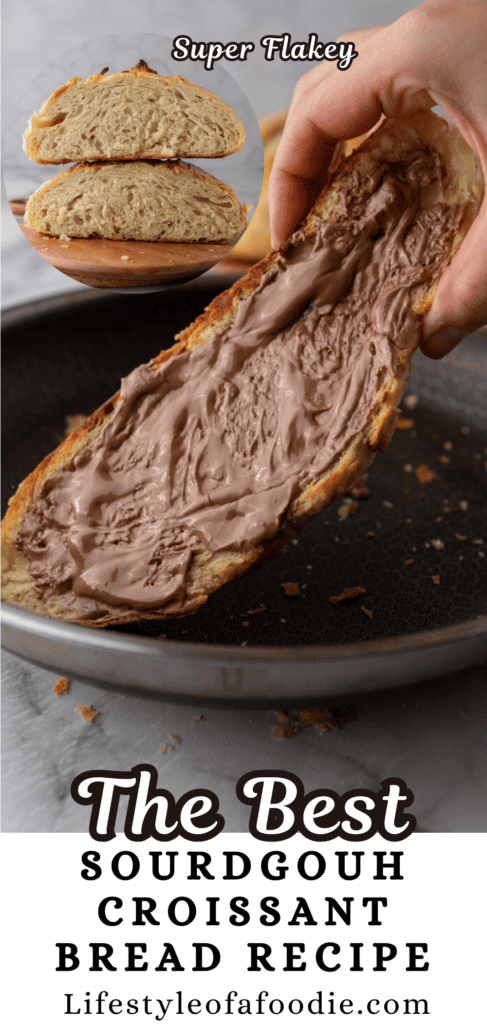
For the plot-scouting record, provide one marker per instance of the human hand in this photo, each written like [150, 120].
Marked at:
[434, 54]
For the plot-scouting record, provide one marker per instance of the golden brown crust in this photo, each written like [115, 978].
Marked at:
[209, 571]
[41, 118]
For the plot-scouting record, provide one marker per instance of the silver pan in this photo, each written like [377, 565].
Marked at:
[66, 355]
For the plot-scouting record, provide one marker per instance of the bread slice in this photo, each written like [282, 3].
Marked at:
[134, 115]
[149, 200]
[365, 393]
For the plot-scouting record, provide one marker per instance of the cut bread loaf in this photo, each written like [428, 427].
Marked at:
[133, 115]
[267, 409]
[149, 200]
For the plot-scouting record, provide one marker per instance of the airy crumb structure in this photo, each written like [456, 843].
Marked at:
[133, 115]
[150, 201]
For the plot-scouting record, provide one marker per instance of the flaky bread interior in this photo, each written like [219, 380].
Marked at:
[150, 200]
[209, 570]
[133, 115]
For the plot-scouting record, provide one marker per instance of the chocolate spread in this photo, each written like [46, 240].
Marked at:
[208, 450]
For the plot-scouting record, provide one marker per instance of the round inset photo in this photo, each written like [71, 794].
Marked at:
[133, 169]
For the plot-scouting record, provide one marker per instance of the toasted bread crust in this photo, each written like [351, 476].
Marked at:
[40, 120]
[208, 571]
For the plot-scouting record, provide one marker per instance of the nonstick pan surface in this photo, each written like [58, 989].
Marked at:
[416, 548]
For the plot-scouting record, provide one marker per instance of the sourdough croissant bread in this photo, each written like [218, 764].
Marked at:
[133, 115]
[150, 200]
[270, 405]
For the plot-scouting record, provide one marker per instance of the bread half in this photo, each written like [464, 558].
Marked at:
[134, 115]
[215, 454]
[149, 200]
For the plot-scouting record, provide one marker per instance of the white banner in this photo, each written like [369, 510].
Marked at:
[237, 927]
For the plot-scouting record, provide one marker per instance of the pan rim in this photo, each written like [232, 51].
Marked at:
[108, 640]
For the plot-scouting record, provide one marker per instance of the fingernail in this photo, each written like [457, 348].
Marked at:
[442, 342]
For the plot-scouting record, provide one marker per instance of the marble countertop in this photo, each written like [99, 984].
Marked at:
[432, 735]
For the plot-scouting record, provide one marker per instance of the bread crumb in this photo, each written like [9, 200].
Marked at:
[424, 474]
[360, 489]
[282, 717]
[370, 533]
[436, 579]
[61, 686]
[438, 544]
[411, 401]
[177, 739]
[86, 711]
[388, 504]
[283, 732]
[347, 595]
[445, 459]
[322, 718]
[257, 611]
[64, 238]
[460, 536]
[462, 506]
[478, 541]
[73, 422]
[348, 508]
[403, 423]
[366, 611]
[448, 446]
[408, 468]
[196, 718]
[290, 589]
[166, 747]
[244, 623]
[409, 561]
[126, 258]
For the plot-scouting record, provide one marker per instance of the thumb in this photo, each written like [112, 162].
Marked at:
[460, 303]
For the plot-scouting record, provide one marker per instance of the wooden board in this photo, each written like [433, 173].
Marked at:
[98, 262]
